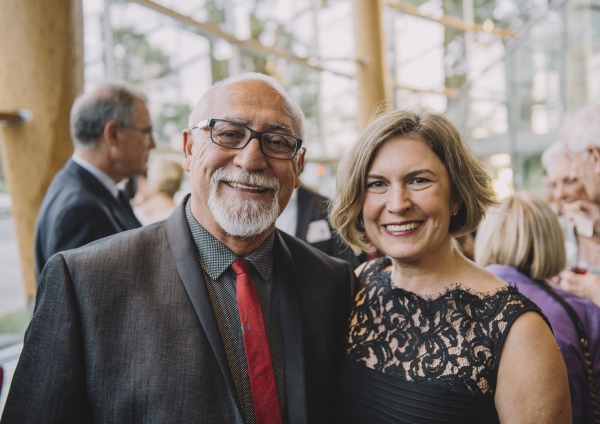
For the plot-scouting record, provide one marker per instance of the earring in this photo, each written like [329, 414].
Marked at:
[454, 213]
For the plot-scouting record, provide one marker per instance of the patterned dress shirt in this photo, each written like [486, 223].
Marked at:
[216, 259]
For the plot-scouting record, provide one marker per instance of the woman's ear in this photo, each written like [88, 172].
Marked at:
[457, 204]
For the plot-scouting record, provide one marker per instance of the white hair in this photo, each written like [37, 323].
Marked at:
[239, 217]
[553, 155]
[583, 130]
[295, 109]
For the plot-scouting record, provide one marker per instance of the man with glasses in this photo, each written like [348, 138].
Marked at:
[211, 316]
[112, 136]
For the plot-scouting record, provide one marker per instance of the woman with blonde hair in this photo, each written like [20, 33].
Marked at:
[164, 180]
[433, 337]
[521, 242]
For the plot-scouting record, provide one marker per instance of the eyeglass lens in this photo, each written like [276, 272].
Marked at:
[235, 136]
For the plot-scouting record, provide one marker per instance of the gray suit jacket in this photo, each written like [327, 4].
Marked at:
[124, 332]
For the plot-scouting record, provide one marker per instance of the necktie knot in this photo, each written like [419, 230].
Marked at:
[240, 266]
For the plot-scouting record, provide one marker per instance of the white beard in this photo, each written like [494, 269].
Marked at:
[239, 217]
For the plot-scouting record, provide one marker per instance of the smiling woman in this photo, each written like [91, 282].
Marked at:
[433, 337]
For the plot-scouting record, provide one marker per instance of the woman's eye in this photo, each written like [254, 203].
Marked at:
[375, 184]
[419, 180]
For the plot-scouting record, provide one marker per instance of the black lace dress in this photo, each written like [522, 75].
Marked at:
[411, 359]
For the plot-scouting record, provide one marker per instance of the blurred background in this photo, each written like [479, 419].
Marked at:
[508, 73]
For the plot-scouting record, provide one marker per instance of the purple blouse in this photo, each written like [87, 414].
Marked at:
[566, 335]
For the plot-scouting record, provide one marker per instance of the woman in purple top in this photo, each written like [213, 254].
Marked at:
[522, 243]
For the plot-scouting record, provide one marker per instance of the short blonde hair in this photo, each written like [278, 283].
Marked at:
[165, 175]
[523, 232]
[470, 183]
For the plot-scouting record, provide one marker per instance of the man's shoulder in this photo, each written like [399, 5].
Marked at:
[124, 244]
[70, 187]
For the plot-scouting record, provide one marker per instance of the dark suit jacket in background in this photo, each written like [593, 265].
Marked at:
[76, 210]
[313, 207]
[124, 332]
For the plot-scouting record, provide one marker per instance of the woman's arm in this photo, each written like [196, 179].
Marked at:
[532, 378]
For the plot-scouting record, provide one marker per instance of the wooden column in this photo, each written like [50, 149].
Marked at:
[41, 69]
[371, 73]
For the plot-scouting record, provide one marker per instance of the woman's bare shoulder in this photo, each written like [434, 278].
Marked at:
[479, 279]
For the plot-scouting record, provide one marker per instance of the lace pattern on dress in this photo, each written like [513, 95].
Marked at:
[452, 340]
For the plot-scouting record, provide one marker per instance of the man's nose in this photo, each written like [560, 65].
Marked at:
[251, 158]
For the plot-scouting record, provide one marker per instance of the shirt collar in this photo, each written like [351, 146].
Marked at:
[100, 175]
[217, 257]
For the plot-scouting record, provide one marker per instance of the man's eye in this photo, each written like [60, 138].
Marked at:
[229, 134]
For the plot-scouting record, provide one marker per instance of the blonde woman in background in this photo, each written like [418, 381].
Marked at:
[433, 337]
[522, 242]
[163, 181]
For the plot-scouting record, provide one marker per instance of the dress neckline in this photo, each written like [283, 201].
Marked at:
[450, 291]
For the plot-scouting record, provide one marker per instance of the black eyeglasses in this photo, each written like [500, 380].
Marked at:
[237, 136]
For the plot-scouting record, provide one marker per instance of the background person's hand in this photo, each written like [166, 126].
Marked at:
[588, 210]
[581, 284]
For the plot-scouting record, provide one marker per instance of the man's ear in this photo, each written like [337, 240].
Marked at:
[111, 133]
[594, 152]
[300, 165]
[188, 143]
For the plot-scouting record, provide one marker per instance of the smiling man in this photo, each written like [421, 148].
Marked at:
[211, 316]
[112, 137]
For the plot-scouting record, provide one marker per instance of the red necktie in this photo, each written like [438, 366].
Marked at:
[256, 344]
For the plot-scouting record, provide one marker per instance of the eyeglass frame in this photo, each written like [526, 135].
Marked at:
[210, 123]
[147, 132]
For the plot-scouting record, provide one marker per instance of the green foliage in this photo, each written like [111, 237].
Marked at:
[171, 120]
[136, 61]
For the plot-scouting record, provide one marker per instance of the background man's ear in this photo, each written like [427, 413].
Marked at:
[111, 133]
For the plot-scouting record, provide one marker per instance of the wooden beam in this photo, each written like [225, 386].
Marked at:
[41, 69]
[251, 45]
[447, 20]
[372, 75]
[14, 117]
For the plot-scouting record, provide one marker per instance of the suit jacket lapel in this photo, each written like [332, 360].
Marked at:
[189, 270]
[291, 324]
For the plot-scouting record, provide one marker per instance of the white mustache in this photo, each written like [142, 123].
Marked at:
[239, 176]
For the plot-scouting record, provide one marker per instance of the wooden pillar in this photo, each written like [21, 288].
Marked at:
[41, 69]
[371, 73]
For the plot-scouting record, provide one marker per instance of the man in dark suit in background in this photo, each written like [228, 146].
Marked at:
[306, 218]
[112, 136]
[211, 316]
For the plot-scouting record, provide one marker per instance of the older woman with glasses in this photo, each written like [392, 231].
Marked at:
[433, 337]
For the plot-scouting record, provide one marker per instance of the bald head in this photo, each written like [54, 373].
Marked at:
[204, 107]
[92, 110]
